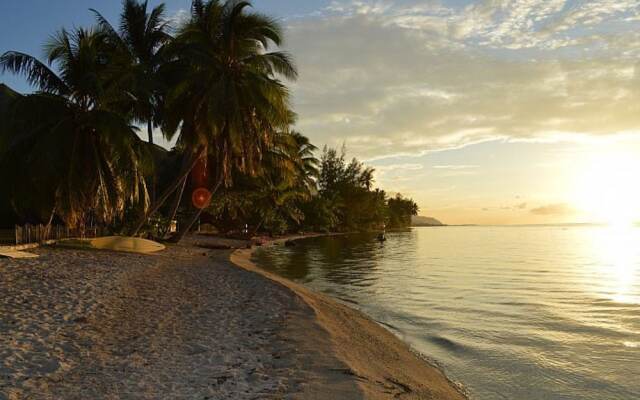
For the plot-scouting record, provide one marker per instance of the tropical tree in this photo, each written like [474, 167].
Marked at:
[400, 211]
[137, 57]
[287, 179]
[301, 153]
[345, 191]
[226, 96]
[273, 198]
[72, 150]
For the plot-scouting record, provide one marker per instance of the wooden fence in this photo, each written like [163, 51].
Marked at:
[26, 234]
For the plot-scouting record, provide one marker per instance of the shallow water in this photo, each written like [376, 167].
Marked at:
[545, 312]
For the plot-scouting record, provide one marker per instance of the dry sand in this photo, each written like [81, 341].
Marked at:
[187, 324]
[183, 324]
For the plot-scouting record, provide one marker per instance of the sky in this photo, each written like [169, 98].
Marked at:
[483, 112]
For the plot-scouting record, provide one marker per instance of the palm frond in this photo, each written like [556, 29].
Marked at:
[36, 73]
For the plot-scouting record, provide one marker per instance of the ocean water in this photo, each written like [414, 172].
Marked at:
[540, 312]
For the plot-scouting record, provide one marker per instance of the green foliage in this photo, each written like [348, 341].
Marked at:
[400, 211]
[271, 200]
[7, 97]
[346, 189]
[136, 55]
[225, 93]
[69, 149]
[333, 195]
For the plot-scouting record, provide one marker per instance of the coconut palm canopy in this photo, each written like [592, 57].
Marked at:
[138, 43]
[73, 151]
[70, 150]
[226, 92]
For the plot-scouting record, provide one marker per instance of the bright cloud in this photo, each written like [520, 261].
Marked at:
[560, 209]
[404, 78]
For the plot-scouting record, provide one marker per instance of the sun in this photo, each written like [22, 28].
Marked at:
[608, 188]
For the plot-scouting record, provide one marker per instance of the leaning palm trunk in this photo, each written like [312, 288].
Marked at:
[47, 228]
[177, 200]
[181, 234]
[154, 180]
[257, 228]
[168, 191]
[150, 130]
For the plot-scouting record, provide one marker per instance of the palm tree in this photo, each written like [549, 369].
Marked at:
[137, 56]
[138, 45]
[227, 98]
[288, 177]
[71, 144]
[307, 164]
[277, 202]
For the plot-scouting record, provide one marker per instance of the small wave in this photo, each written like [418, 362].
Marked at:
[518, 304]
[446, 343]
[346, 300]
[388, 325]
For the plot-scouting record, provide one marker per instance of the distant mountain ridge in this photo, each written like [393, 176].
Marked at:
[6, 96]
[418, 220]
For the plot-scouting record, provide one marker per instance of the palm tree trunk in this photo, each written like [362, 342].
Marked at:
[47, 228]
[255, 231]
[177, 200]
[187, 167]
[150, 130]
[181, 234]
[153, 173]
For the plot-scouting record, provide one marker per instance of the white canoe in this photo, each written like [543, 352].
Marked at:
[117, 243]
[5, 253]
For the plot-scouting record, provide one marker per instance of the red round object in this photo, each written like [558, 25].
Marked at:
[201, 198]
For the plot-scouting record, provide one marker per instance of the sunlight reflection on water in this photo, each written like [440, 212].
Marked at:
[618, 251]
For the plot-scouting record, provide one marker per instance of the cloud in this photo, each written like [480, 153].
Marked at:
[179, 18]
[559, 209]
[400, 167]
[515, 207]
[455, 167]
[390, 79]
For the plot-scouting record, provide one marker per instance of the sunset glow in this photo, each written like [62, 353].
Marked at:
[607, 189]
[336, 199]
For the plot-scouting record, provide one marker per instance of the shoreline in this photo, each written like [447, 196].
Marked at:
[383, 365]
[191, 322]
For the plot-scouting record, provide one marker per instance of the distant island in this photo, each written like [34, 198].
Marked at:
[418, 220]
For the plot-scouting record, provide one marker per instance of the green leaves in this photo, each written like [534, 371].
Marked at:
[225, 87]
[36, 73]
[69, 147]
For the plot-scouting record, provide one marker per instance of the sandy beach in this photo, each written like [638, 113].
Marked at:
[188, 324]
